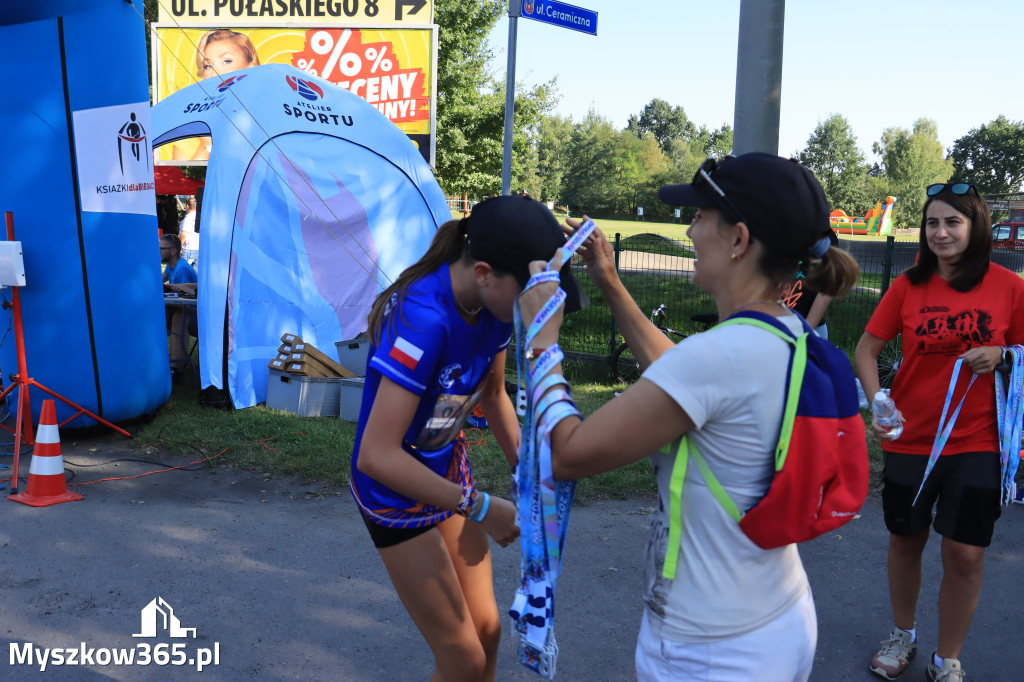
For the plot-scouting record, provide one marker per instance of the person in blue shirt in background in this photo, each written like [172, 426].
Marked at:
[438, 338]
[179, 278]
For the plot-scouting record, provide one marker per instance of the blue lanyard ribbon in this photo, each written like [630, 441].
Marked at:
[1009, 415]
[945, 428]
[544, 504]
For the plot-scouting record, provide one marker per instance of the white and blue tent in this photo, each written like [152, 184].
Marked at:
[314, 202]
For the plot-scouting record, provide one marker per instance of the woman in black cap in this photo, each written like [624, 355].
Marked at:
[954, 304]
[733, 610]
[438, 339]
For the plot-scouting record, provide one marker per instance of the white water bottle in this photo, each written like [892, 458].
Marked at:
[885, 412]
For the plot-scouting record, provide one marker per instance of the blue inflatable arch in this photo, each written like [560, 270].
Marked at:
[78, 178]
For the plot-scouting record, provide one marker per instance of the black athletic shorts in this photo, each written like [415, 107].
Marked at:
[966, 487]
[386, 536]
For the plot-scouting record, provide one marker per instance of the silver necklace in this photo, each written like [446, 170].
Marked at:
[463, 308]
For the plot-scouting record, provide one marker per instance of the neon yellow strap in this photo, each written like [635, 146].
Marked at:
[675, 508]
[796, 382]
[687, 448]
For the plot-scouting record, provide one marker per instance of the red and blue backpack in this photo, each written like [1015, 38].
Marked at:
[821, 460]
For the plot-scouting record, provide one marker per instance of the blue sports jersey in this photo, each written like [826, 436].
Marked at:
[427, 348]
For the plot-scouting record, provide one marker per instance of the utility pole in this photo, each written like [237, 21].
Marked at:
[759, 76]
[514, 10]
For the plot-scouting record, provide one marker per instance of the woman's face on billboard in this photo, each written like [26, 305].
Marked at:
[223, 56]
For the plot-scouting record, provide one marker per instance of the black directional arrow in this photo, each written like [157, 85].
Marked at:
[415, 5]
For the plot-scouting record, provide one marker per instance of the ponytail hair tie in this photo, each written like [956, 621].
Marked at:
[821, 247]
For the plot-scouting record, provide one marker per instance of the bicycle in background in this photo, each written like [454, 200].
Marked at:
[625, 367]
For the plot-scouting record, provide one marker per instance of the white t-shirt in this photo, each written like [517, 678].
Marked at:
[730, 381]
[187, 232]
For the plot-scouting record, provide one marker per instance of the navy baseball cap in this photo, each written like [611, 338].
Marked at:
[780, 201]
[508, 232]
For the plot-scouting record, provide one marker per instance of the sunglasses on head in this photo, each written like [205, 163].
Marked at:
[703, 176]
[955, 188]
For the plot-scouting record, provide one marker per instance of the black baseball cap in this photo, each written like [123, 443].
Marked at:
[780, 201]
[508, 232]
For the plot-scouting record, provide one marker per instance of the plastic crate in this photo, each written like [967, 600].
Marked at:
[352, 355]
[351, 398]
[304, 396]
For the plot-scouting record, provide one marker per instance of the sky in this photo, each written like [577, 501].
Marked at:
[879, 63]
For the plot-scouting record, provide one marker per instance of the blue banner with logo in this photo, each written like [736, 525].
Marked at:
[314, 203]
[78, 179]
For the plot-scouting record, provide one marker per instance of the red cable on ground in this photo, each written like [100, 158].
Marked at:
[262, 441]
[150, 473]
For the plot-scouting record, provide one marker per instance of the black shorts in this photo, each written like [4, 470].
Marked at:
[966, 486]
[386, 536]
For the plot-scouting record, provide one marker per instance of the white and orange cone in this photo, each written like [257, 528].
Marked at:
[46, 483]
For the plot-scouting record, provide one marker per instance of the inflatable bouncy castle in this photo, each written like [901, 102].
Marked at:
[877, 221]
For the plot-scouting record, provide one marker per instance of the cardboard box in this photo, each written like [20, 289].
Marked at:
[352, 355]
[316, 362]
[303, 395]
[279, 362]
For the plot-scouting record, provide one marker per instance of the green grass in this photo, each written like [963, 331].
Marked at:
[630, 228]
[318, 450]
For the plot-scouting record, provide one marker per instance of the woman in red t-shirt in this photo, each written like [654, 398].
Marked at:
[953, 304]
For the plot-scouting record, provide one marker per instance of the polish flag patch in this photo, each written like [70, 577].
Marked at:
[406, 353]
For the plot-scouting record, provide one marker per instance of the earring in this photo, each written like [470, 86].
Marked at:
[734, 257]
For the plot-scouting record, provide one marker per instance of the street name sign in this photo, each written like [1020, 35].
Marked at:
[561, 14]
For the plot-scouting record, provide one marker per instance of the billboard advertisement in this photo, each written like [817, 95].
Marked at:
[356, 44]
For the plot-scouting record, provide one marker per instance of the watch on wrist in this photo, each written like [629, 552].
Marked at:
[534, 353]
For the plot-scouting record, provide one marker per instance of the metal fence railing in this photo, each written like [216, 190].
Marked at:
[657, 270]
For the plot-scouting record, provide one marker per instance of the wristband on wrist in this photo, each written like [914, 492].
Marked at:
[469, 495]
[480, 510]
[1005, 359]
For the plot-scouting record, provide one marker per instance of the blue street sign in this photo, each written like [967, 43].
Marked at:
[561, 14]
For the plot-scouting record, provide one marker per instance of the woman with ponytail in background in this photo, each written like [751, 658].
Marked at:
[438, 337]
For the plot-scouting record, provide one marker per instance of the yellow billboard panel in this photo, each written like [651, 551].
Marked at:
[310, 12]
[391, 68]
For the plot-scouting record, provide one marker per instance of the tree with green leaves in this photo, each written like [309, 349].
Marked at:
[462, 80]
[991, 156]
[911, 160]
[668, 124]
[555, 135]
[716, 143]
[590, 166]
[471, 106]
[834, 157]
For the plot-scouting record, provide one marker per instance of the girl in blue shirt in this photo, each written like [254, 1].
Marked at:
[438, 340]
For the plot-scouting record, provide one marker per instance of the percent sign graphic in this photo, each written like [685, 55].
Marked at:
[348, 63]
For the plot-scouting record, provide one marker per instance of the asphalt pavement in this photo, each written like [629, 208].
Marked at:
[270, 579]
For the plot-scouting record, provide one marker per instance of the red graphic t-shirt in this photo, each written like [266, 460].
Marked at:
[939, 323]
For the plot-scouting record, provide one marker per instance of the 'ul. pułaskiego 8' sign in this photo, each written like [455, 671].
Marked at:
[345, 42]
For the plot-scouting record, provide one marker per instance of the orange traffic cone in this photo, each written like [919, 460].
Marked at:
[46, 484]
